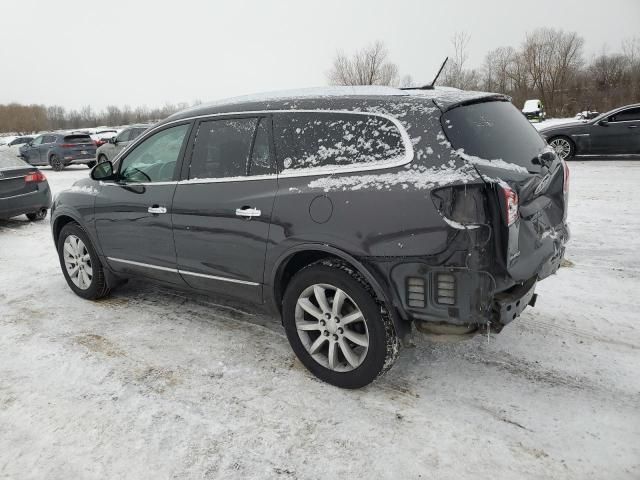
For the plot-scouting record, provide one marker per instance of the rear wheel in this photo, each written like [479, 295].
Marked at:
[80, 263]
[336, 327]
[39, 215]
[563, 147]
[56, 163]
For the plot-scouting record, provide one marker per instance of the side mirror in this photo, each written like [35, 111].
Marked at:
[603, 123]
[113, 140]
[102, 171]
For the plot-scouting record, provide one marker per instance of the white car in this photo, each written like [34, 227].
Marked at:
[534, 110]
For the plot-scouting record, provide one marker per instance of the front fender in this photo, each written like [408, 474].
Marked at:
[76, 206]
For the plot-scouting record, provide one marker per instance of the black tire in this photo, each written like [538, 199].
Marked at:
[37, 216]
[98, 287]
[55, 163]
[102, 159]
[91, 164]
[572, 146]
[383, 345]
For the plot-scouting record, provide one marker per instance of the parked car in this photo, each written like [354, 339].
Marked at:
[110, 149]
[23, 189]
[354, 213]
[100, 137]
[613, 133]
[534, 110]
[15, 141]
[59, 150]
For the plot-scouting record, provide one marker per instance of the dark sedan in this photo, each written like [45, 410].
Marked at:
[23, 189]
[615, 133]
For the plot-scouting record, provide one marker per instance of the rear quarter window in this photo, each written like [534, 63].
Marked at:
[321, 141]
[494, 131]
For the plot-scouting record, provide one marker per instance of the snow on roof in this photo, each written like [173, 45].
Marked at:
[313, 92]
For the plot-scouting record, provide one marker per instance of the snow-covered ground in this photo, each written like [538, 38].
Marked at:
[152, 383]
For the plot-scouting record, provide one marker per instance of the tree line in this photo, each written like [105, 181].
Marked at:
[549, 65]
[23, 119]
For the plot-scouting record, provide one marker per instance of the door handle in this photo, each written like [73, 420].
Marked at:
[157, 209]
[632, 126]
[248, 212]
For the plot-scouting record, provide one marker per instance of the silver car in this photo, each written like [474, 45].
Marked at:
[115, 145]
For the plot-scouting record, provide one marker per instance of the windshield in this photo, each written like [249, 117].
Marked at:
[494, 131]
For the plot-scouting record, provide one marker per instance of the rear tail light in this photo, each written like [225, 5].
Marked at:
[68, 145]
[565, 182]
[35, 177]
[510, 204]
[445, 289]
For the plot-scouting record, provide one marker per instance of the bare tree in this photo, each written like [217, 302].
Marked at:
[455, 74]
[369, 66]
[552, 58]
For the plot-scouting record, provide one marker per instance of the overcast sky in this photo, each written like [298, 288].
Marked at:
[73, 53]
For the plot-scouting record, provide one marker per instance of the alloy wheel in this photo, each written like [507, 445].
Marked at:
[331, 327]
[77, 261]
[561, 146]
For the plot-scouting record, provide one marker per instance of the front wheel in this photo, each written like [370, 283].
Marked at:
[80, 263]
[563, 147]
[56, 163]
[336, 327]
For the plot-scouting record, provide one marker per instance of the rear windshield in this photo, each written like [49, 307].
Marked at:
[494, 131]
[8, 160]
[78, 139]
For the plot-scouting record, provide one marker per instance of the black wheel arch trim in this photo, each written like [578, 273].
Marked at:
[403, 327]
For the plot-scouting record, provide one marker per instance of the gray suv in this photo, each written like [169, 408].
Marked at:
[114, 146]
[59, 150]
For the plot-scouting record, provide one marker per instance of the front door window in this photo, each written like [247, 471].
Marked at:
[154, 160]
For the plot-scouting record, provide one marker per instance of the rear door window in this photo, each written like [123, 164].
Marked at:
[494, 131]
[135, 133]
[261, 153]
[222, 148]
[124, 136]
[326, 141]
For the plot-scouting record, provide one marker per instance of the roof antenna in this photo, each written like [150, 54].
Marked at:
[430, 86]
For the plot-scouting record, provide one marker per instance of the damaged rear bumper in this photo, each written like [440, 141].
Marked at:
[507, 306]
